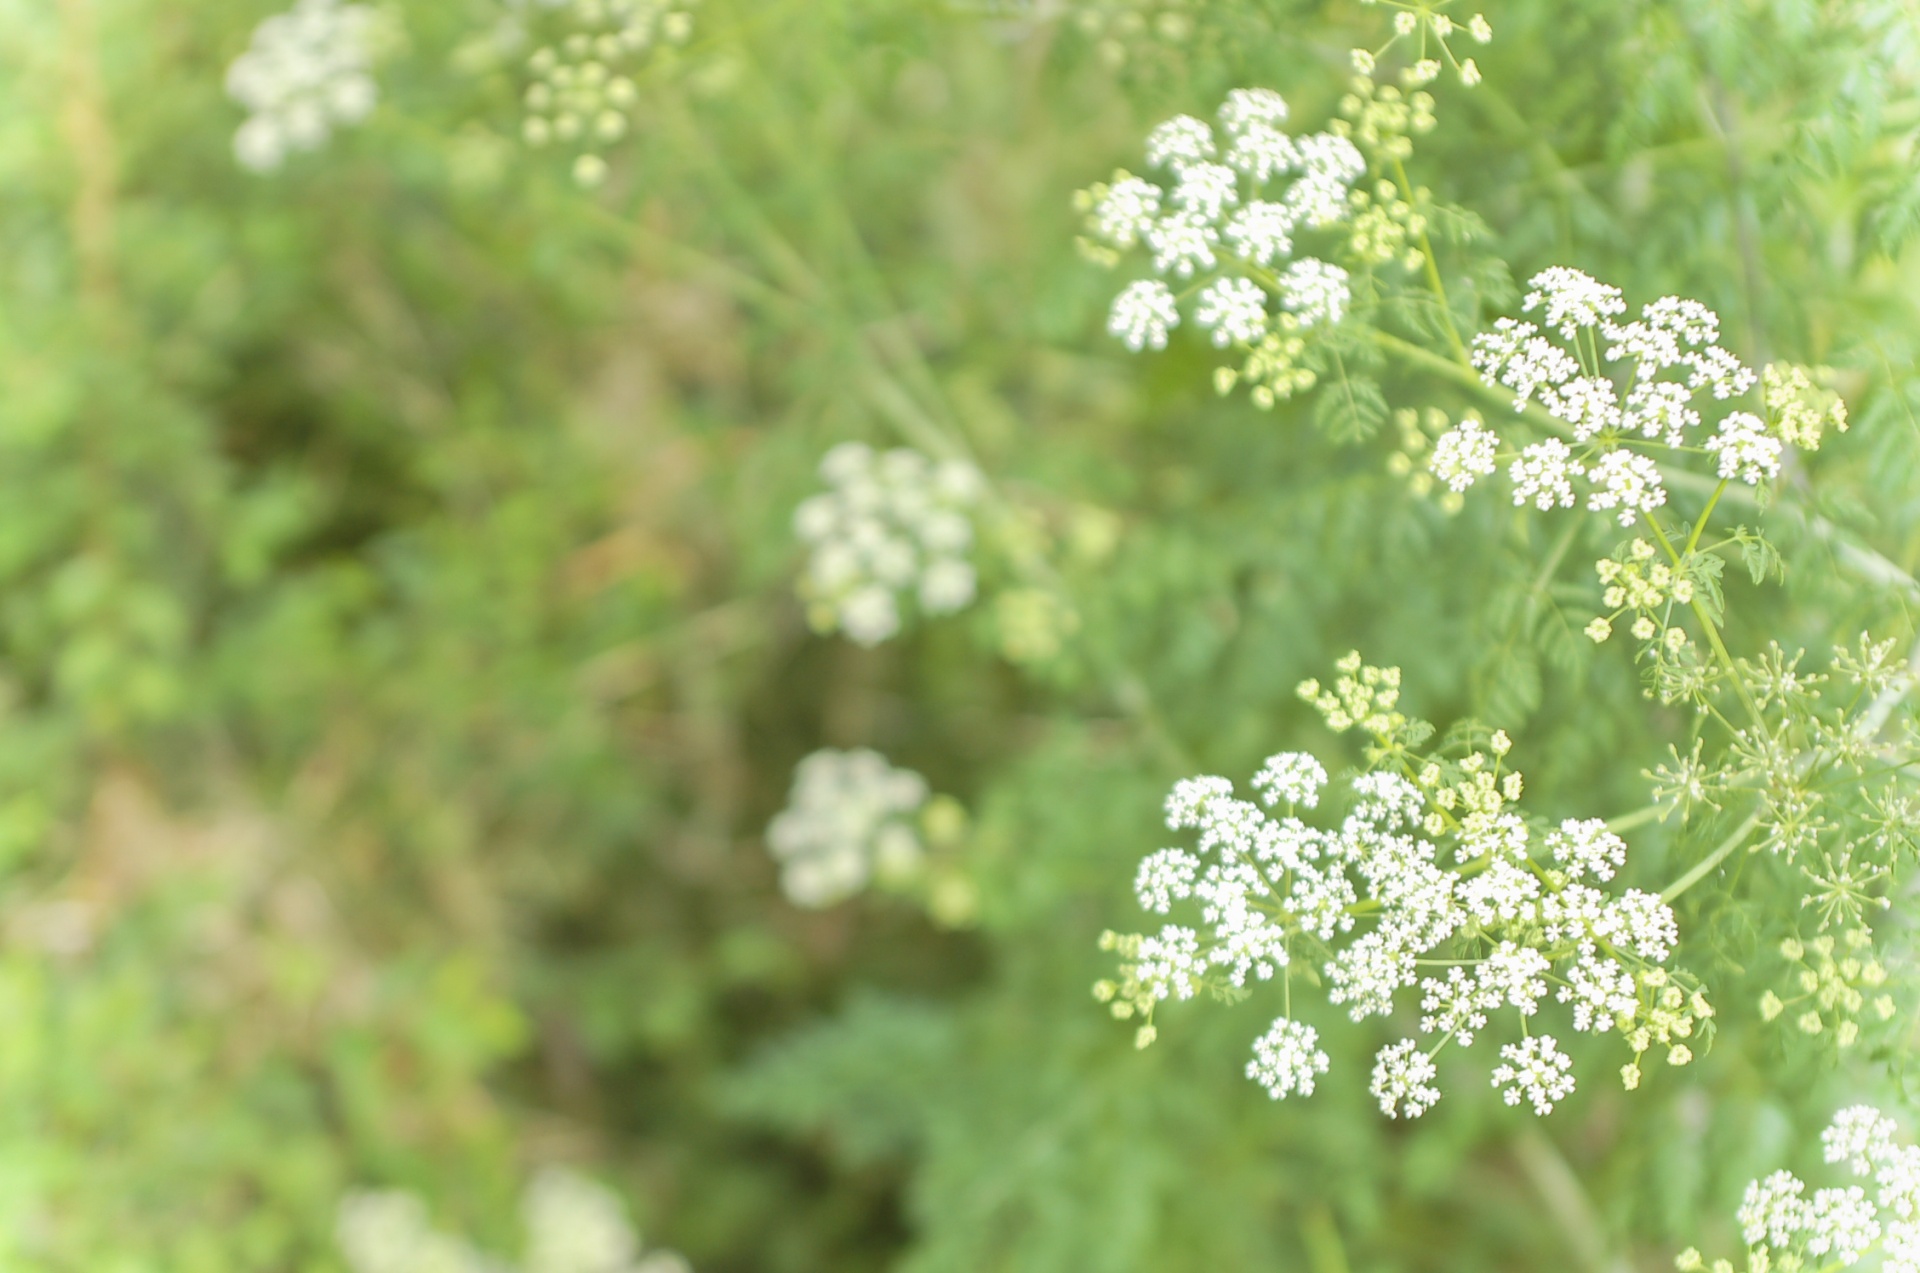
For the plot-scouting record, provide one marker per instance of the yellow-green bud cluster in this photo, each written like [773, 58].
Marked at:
[1381, 119]
[1473, 789]
[1386, 227]
[1646, 587]
[1272, 367]
[1128, 997]
[1667, 1015]
[582, 94]
[1362, 695]
[1033, 624]
[1834, 981]
[1799, 409]
[1118, 28]
[1412, 458]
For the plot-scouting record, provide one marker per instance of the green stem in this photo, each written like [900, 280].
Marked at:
[1706, 864]
[1638, 818]
[1693, 540]
[1719, 647]
[1433, 273]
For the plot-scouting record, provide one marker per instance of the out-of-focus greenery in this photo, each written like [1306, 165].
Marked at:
[399, 659]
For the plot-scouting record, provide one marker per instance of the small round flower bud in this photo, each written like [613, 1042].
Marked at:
[589, 170]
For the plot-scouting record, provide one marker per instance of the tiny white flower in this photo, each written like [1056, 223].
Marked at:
[1534, 1070]
[845, 810]
[1403, 1080]
[1315, 292]
[1205, 190]
[1841, 1223]
[1292, 776]
[1543, 475]
[304, 72]
[1626, 481]
[1233, 309]
[1178, 142]
[947, 586]
[1586, 847]
[1464, 454]
[1286, 1058]
[1248, 106]
[1260, 231]
[1774, 1210]
[1182, 243]
[1860, 1136]
[1746, 450]
[1143, 313]
[1572, 298]
[1127, 212]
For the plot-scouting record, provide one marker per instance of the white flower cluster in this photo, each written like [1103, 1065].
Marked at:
[582, 95]
[573, 1225]
[1233, 210]
[306, 71]
[889, 524]
[848, 818]
[1429, 884]
[389, 1231]
[1615, 386]
[1785, 1227]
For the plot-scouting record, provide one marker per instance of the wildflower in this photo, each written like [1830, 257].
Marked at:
[1286, 1059]
[1841, 1222]
[1270, 890]
[887, 525]
[1586, 847]
[1163, 877]
[389, 1231]
[1224, 207]
[1234, 309]
[1178, 142]
[1746, 449]
[1315, 292]
[1628, 482]
[1143, 314]
[1403, 1080]
[305, 72]
[1543, 475]
[581, 92]
[1860, 1136]
[1535, 1070]
[1126, 210]
[575, 1225]
[1464, 454]
[1801, 410]
[1261, 232]
[1205, 190]
[1182, 243]
[1572, 299]
[1292, 776]
[847, 818]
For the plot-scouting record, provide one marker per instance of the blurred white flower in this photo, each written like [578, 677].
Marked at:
[848, 818]
[306, 72]
[890, 525]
